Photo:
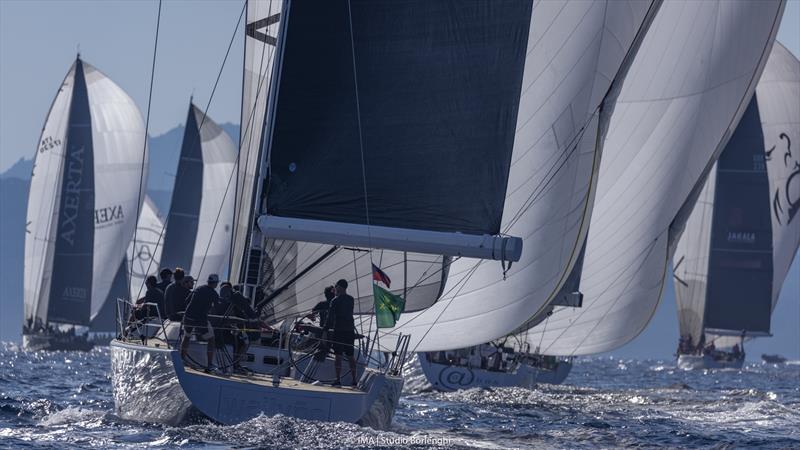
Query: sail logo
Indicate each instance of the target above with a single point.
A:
(108, 216)
(77, 293)
(453, 377)
(253, 28)
(786, 200)
(742, 237)
(72, 195)
(49, 143)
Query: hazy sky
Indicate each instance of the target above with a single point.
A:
(39, 40)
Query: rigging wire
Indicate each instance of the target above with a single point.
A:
(199, 128)
(139, 198)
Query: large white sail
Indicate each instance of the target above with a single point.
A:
(575, 50)
(144, 255)
(261, 32)
(198, 230)
(690, 83)
(43, 202)
(778, 95)
(118, 137)
(83, 199)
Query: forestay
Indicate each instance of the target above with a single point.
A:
(689, 85)
(575, 51)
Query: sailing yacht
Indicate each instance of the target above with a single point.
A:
(742, 234)
(81, 209)
(675, 113)
(389, 154)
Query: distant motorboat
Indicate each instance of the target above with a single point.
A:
(773, 359)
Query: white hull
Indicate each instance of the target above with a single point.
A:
(153, 385)
(448, 378)
(696, 362)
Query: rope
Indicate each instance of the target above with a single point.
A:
(200, 127)
(144, 144)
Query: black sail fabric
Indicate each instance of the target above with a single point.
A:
(184, 210)
(739, 291)
(437, 84)
(71, 288)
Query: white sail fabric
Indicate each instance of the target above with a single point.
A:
(118, 138)
(145, 253)
(690, 83)
(778, 95)
(691, 262)
(43, 202)
(261, 32)
(212, 244)
(575, 50)
(416, 277)
(117, 142)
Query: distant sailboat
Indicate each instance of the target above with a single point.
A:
(742, 235)
(81, 207)
(198, 227)
(676, 112)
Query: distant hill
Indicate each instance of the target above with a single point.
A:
(14, 184)
(21, 170)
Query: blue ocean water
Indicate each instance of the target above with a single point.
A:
(57, 400)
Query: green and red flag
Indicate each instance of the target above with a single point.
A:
(388, 306)
(379, 275)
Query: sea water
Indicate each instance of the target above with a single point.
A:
(64, 399)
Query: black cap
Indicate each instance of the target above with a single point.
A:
(342, 283)
(165, 270)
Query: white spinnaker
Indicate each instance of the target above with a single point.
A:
(259, 54)
(145, 253)
(212, 244)
(575, 50)
(691, 262)
(690, 83)
(118, 140)
(43, 201)
(778, 96)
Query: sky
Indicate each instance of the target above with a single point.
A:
(39, 41)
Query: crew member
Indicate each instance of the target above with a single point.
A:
(340, 324)
(195, 319)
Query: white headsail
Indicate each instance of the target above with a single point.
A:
(575, 52)
(690, 83)
(83, 198)
(742, 235)
(261, 33)
(145, 254)
(198, 227)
